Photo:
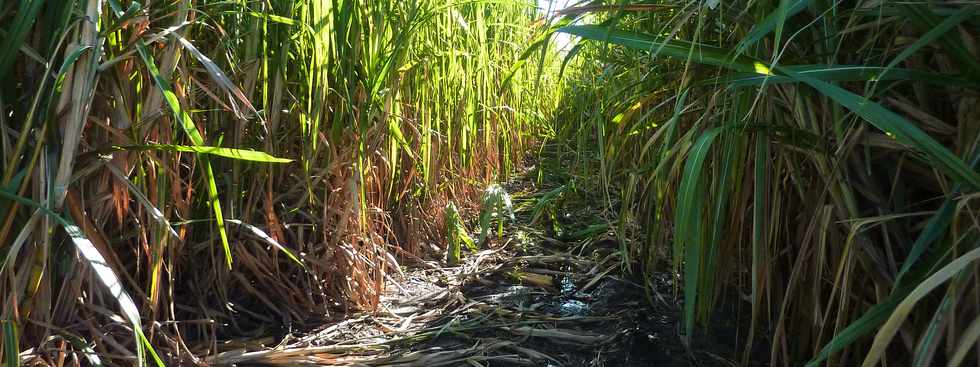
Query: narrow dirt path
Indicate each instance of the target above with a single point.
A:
(528, 300)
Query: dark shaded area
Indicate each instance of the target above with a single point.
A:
(634, 332)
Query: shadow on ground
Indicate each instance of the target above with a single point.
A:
(538, 295)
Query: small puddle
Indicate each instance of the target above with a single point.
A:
(573, 307)
(569, 306)
(567, 285)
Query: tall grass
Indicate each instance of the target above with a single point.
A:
(210, 170)
(813, 161)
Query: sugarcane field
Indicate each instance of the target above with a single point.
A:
(490, 183)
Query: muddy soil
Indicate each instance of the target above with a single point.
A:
(566, 295)
(549, 304)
